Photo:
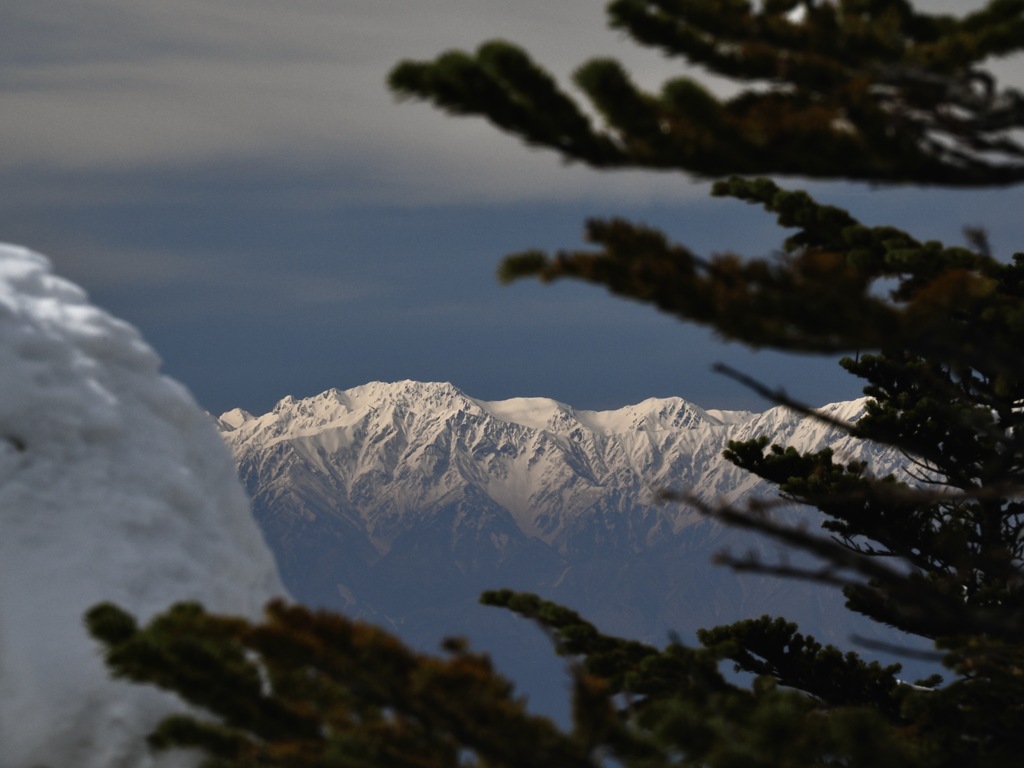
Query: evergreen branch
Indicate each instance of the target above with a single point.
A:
(858, 93)
(911, 601)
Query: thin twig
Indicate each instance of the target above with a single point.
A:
(779, 397)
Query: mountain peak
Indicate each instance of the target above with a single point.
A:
(541, 413)
(435, 393)
(233, 419)
(336, 408)
(652, 414)
(442, 399)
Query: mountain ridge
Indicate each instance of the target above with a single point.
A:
(401, 502)
(404, 438)
(518, 410)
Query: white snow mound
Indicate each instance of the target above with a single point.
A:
(114, 485)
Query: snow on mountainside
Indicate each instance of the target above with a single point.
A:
(402, 502)
(382, 452)
(113, 487)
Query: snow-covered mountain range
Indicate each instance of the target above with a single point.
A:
(382, 458)
(401, 502)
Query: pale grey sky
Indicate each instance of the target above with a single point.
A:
(126, 85)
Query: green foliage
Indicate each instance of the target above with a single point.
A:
(855, 89)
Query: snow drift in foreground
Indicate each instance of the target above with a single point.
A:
(113, 486)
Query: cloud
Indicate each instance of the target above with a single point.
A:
(118, 86)
(126, 87)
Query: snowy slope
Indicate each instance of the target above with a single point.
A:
(113, 486)
(401, 502)
(382, 453)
